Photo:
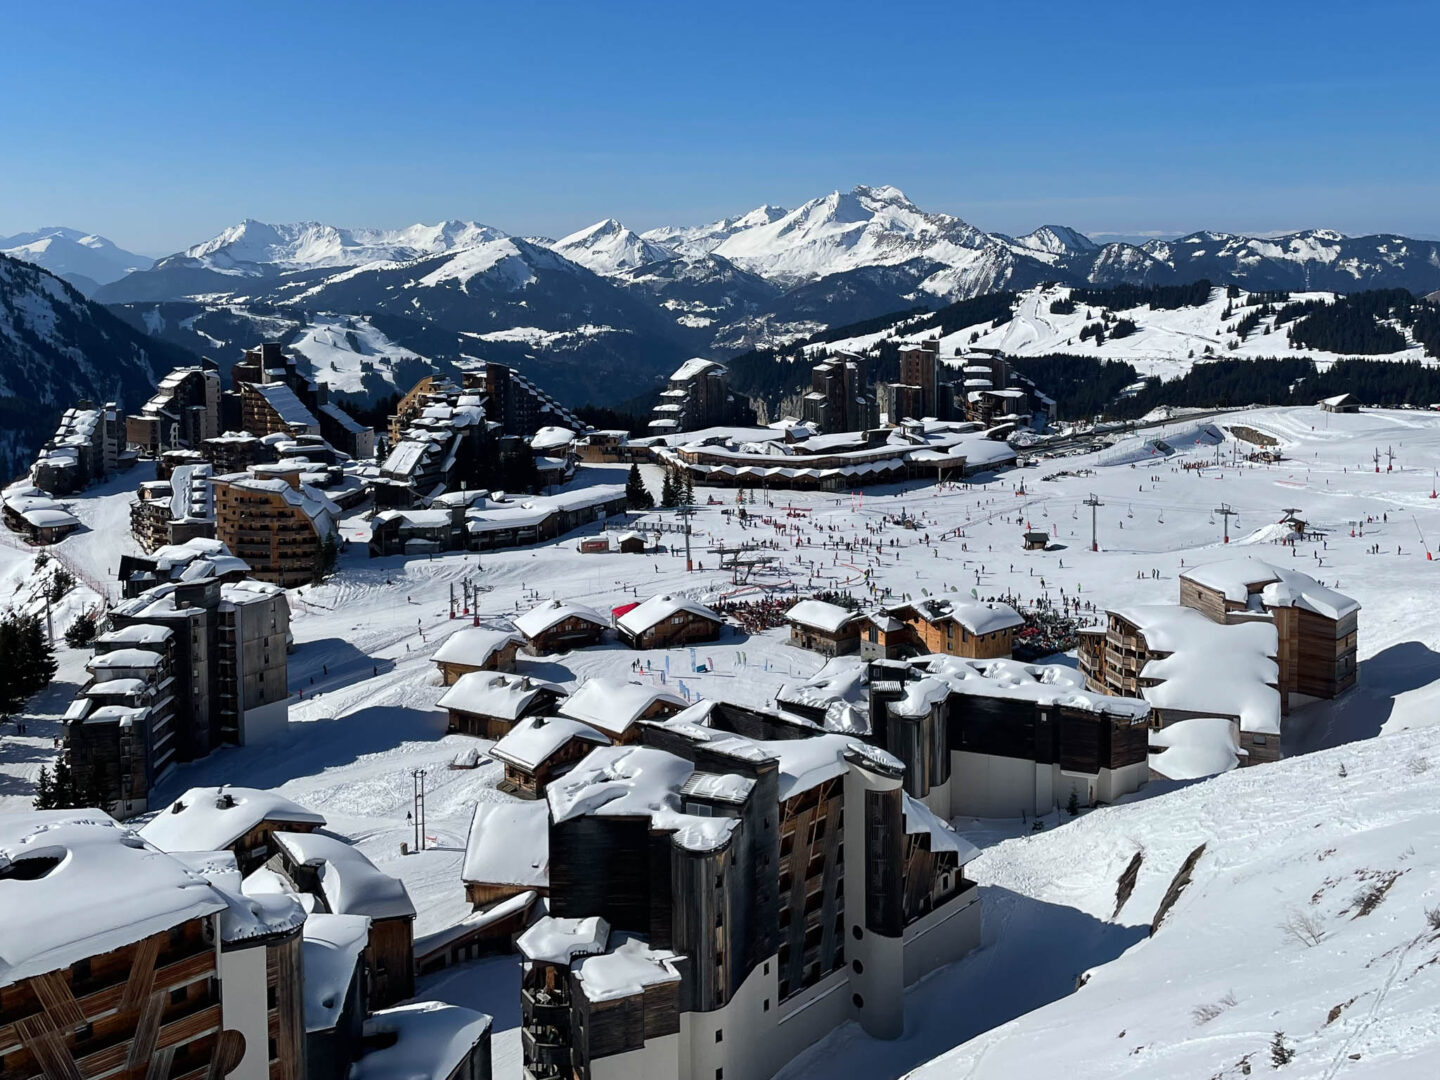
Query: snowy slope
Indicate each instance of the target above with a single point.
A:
(703, 239)
(251, 245)
(1343, 847)
(608, 247)
(83, 259)
(1166, 343)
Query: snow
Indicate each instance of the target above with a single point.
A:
(543, 616)
(430, 1041)
(211, 818)
(493, 693)
(626, 969)
(1282, 588)
(531, 742)
(551, 438)
(919, 818)
(310, 244)
(287, 406)
(344, 349)
(696, 365)
(1195, 748)
(246, 916)
(657, 609)
(974, 616)
(554, 940)
(608, 247)
(351, 883)
(106, 889)
(472, 646)
(636, 781)
(612, 706)
(509, 844)
(331, 949)
(818, 615)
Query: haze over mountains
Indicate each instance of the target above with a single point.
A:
(604, 312)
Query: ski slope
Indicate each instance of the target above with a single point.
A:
(364, 718)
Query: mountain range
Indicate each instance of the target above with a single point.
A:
(83, 259)
(605, 311)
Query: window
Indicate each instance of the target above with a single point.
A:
(719, 1074)
(177, 996)
(857, 1000)
(719, 1035)
(767, 1005)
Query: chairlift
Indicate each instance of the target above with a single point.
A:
(1129, 511)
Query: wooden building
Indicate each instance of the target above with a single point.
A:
(425, 1040)
(475, 649)
(342, 881)
(277, 525)
(540, 748)
(240, 820)
(667, 622)
(824, 628)
(507, 853)
(968, 628)
(884, 637)
(120, 957)
(557, 627)
(336, 993)
(487, 704)
(1035, 540)
(616, 708)
(1340, 403)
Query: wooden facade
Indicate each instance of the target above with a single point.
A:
(811, 887)
(529, 782)
(572, 632)
(677, 630)
(485, 726)
(502, 659)
(949, 635)
(825, 642)
(151, 1010)
(275, 537)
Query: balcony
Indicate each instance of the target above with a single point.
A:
(542, 1047)
(554, 1012)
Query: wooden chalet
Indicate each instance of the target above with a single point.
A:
(540, 748)
(884, 637)
(1340, 403)
(487, 704)
(969, 628)
(1034, 540)
(616, 708)
(557, 627)
(342, 881)
(475, 649)
(667, 622)
(240, 820)
(827, 629)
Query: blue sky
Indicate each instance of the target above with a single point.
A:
(159, 124)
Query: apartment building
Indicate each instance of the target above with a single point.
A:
(840, 397)
(698, 396)
(183, 412)
(174, 511)
(121, 957)
(88, 445)
(718, 902)
(278, 525)
(1276, 633)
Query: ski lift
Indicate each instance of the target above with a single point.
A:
(1162, 517)
(1212, 519)
(1129, 511)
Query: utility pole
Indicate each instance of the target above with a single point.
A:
(1094, 505)
(417, 777)
(1225, 512)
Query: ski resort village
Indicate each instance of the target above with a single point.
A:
(898, 733)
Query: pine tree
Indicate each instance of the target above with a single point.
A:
(38, 657)
(1280, 1054)
(1073, 806)
(637, 495)
(44, 790)
(668, 495)
(81, 632)
(689, 489)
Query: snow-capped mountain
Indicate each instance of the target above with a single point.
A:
(703, 239)
(251, 246)
(607, 247)
(84, 259)
(1056, 240)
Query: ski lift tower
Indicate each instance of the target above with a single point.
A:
(1224, 511)
(1094, 505)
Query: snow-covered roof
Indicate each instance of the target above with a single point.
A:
(124, 659)
(1044, 684)
(840, 689)
(211, 818)
(695, 366)
(551, 438)
(976, 616)
(246, 916)
(76, 883)
(919, 818)
(533, 740)
(472, 646)
(1195, 748)
(613, 706)
(1199, 649)
(509, 844)
(287, 405)
(626, 969)
(494, 693)
(657, 609)
(137, 634)
(818, 615)
(1279, 587)
(552, 612)
(331, 948)
(350, 882)
(560, 941)
(636, 781)
(424, 1040)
